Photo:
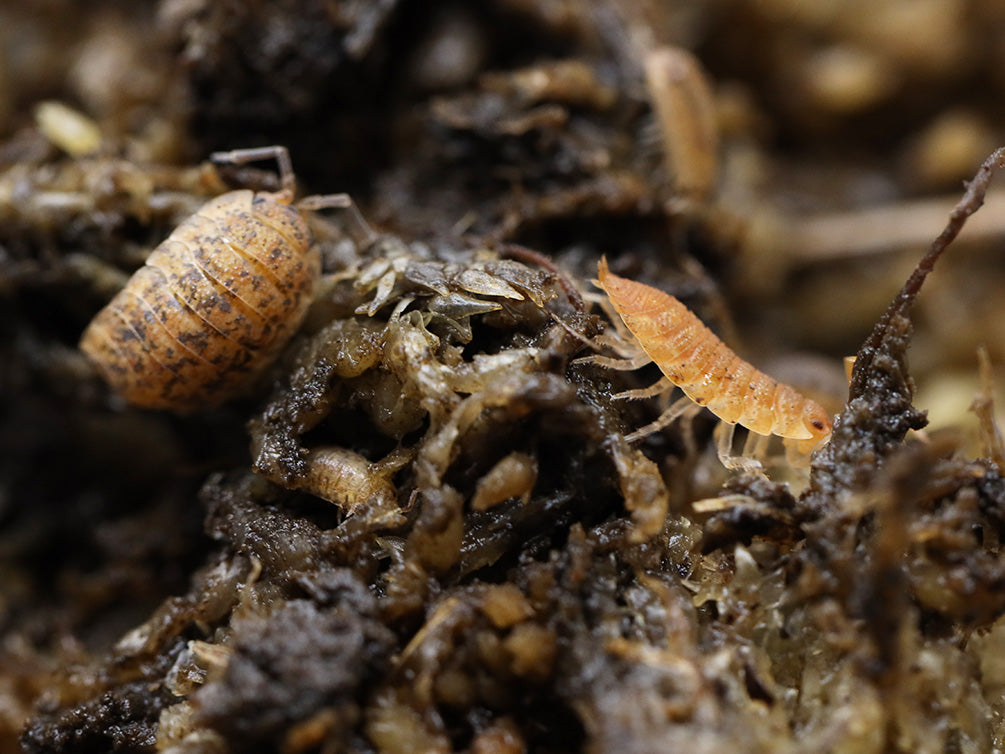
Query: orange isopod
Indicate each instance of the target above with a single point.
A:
(710, 374)
(216, 300)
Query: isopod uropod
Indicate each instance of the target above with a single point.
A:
(710, 374)
(216, 300)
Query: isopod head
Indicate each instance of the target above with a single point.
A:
(817, 424)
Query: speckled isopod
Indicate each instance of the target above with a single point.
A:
(216, 300)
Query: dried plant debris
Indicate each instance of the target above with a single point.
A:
(459, 361)
(879, 411)
(422, 528)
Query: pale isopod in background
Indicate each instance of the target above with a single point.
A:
(710, 374)
(216, 300)
(684, 104)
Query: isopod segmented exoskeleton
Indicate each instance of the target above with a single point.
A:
(216, 300)
(710, 373)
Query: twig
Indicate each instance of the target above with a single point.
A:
(972, 200)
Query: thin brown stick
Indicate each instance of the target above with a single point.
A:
(972, 200)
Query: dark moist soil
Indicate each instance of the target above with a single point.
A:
(420, 529)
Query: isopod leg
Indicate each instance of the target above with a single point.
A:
(724, 447)
(616, 342)
(239, 156)
(611, 362)
(756, 446)
(661, 385)
(796, 457)
(612, 314)
(676, 409)
(359, 228)
(627, 351)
